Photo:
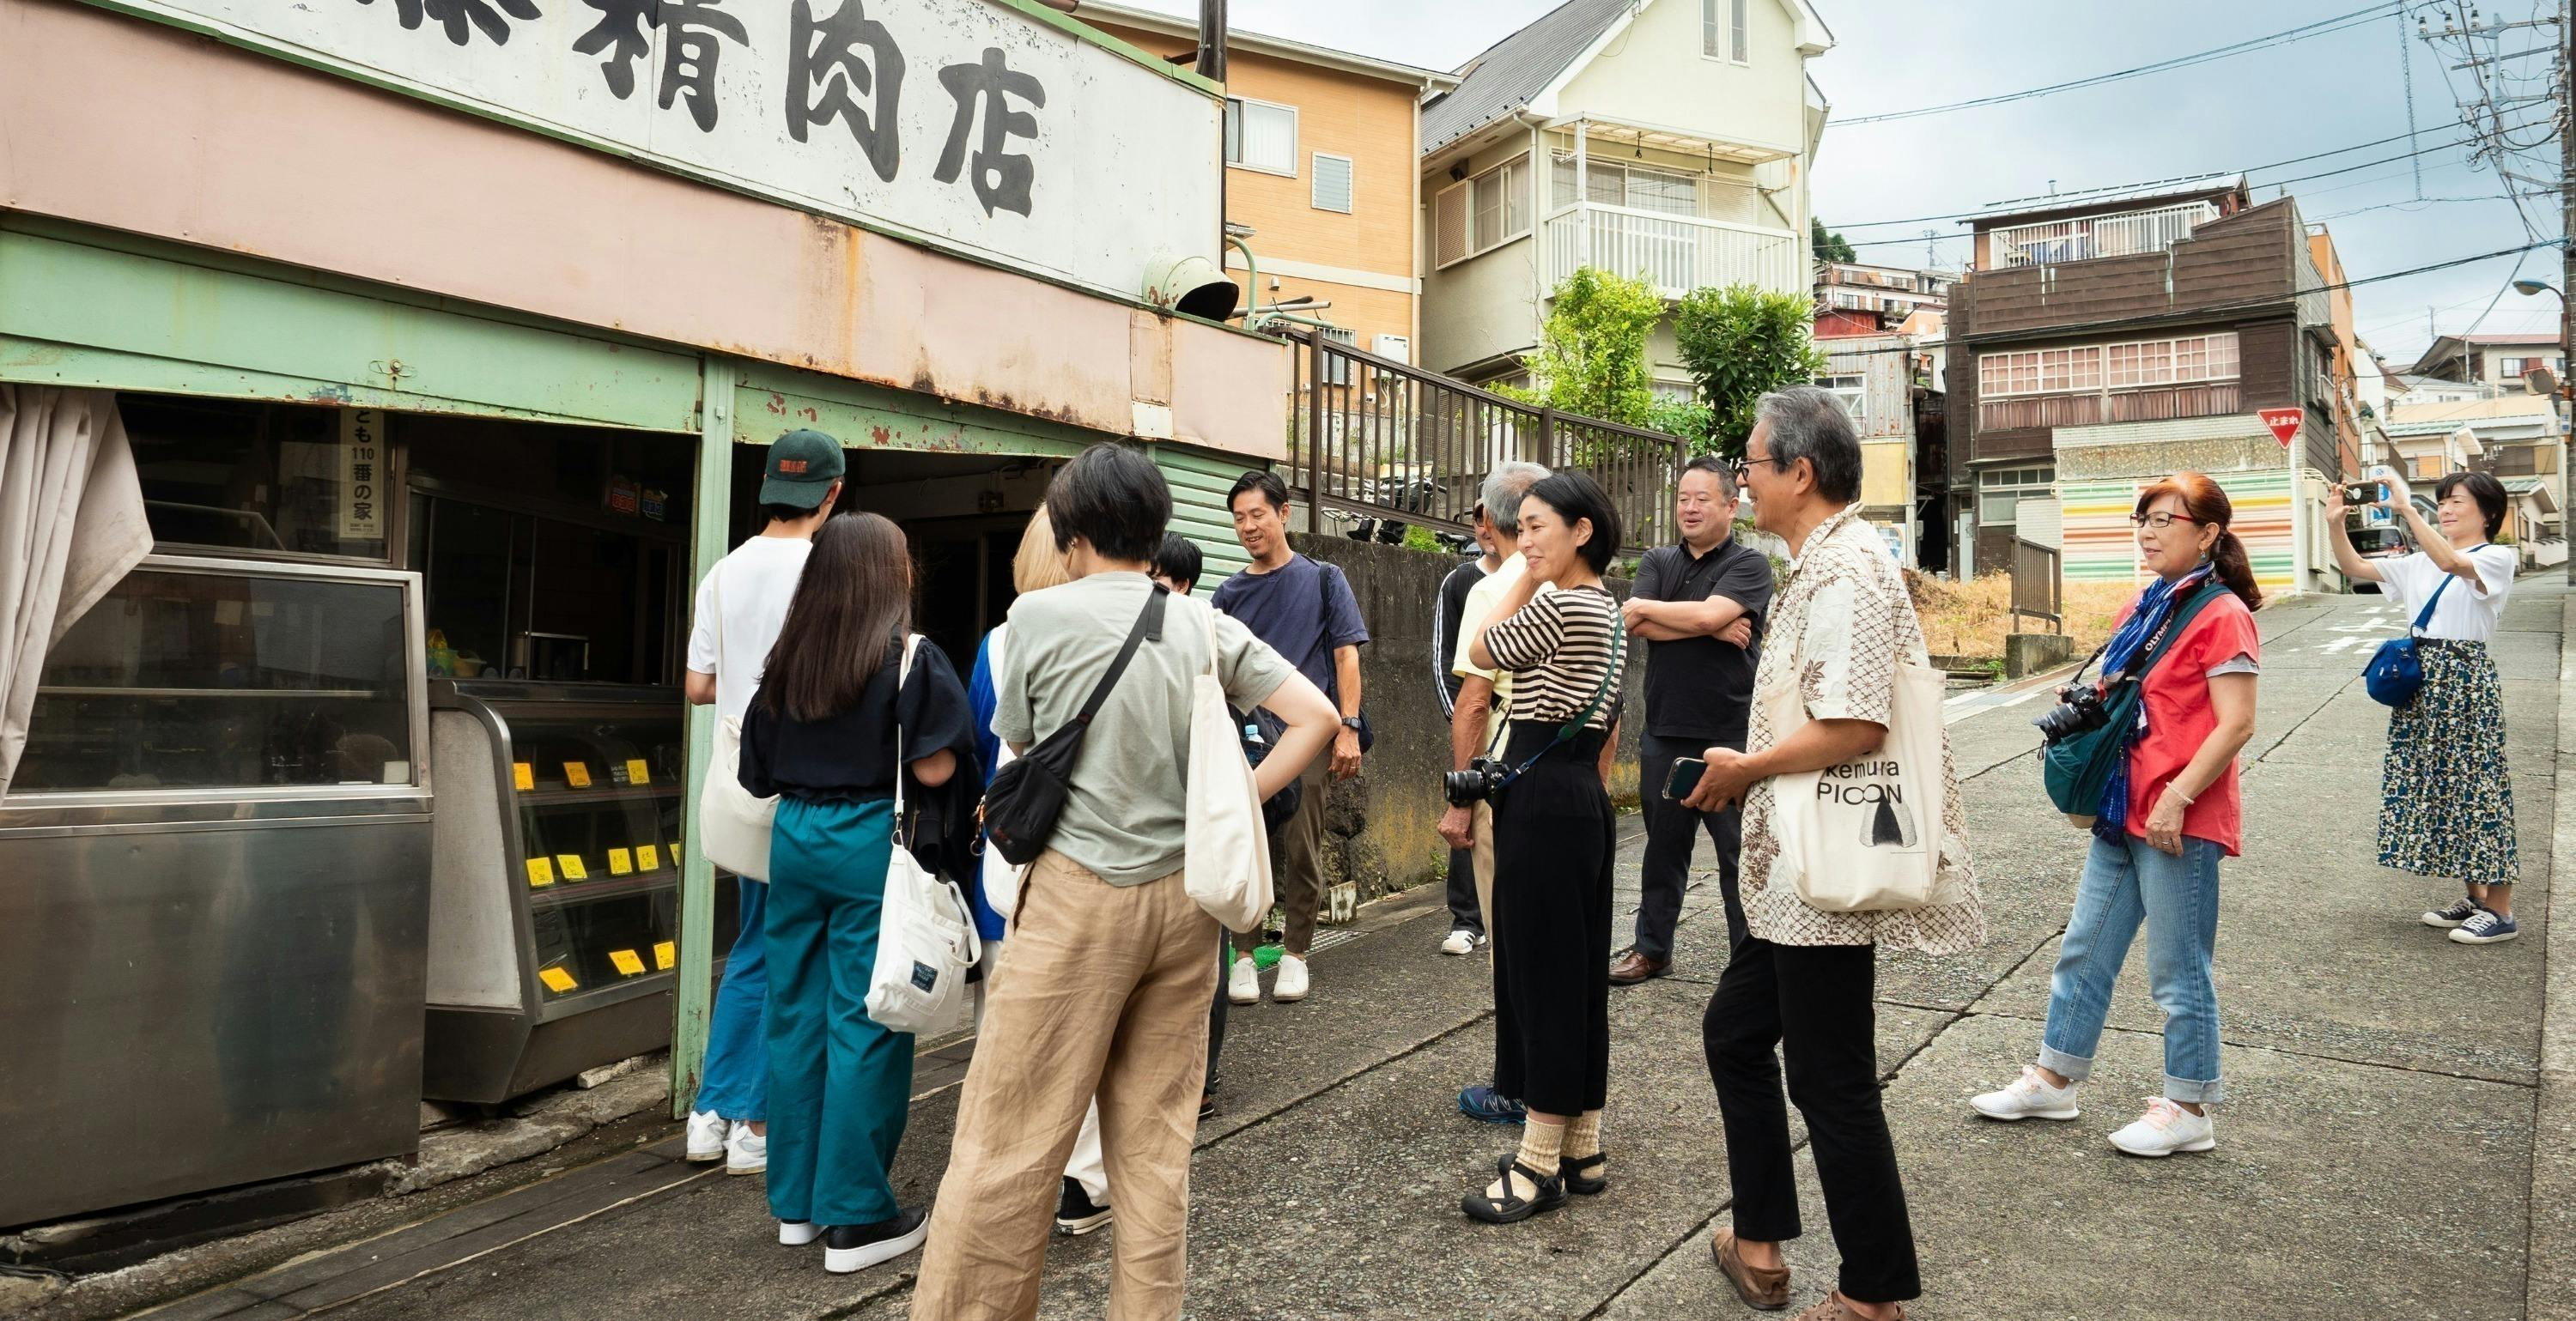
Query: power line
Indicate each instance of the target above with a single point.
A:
(2321, 27)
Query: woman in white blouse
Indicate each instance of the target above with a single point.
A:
(2446, 806)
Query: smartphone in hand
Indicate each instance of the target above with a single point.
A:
(1685, 777)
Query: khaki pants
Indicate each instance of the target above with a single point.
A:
(1300, 872)
(1106, 990)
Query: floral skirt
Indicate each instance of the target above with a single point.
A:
(2446, 805)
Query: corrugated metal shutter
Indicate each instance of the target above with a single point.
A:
(1332, 183)
(1198, 479)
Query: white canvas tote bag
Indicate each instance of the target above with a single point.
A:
(925, 933)
(733, 826)
(1226, 858)
(1867, 835)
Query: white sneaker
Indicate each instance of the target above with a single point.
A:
(2029, 1098)
(746, 1152)
(2165, 1129)
(1291, 985)
(1461, 941)
(798, 1233)
(1244, 987)
(706, 1136)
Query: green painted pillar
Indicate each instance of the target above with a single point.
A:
(709, 513)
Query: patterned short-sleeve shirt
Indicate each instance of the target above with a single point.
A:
(1837, 631)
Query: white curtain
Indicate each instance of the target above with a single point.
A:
(71, 525)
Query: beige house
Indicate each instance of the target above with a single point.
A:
(1669, 139)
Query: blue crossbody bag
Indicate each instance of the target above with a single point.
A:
(2395, 670)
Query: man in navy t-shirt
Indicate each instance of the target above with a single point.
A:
(1306, 612)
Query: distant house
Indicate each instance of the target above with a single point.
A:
(1892, 384)
(1854, 298)
(2103, 343)
(2495, 358)
(1668, 139)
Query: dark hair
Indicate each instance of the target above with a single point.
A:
(1112, 497)
(1808, 422)
(2208, 506)
(1272, 489)
(784, 513)
(2486, 490)
(1178, 560)
(1715, 467)
(852, 603)
(1575, 497)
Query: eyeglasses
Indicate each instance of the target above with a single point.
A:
(1745, 464)
(2160, 519)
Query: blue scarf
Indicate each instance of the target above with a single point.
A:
(2155, 606)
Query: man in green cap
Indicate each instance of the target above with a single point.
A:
(740, 606)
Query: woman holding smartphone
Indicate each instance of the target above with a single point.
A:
(1553, 846)
(2446, 804)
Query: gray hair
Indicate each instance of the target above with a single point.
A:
(1504, 487)
(1808, 422)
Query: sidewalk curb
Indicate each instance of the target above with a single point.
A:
(2551, 1265)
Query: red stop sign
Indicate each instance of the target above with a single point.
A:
(2284, 423)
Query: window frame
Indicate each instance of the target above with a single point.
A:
(1350, 183)
(1464, 196)
(1233, 137)
(2018, 483)
(1740, 20)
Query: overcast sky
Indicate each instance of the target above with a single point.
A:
(2317, 95)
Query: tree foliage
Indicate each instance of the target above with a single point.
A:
(1740, 343)
(1591, 356)
(1829, 246)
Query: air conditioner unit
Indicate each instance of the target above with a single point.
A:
(1397, 347)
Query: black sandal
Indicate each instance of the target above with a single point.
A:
(1513, 1207)
(1574, 1171)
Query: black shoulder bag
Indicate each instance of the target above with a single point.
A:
(1026, 797)
(1324, 574)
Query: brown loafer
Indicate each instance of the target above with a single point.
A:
(1634, 967)
(1763, 1290)
(1832, 1309)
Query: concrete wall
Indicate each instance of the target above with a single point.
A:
(1381, 833)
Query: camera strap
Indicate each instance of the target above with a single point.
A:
(1565, 733)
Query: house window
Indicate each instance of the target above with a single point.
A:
(1850, 389)
(1337, 368)
(1723, 34)
(1332, 183)
(1261, 136)
(1484, 212)
(2040, 371)
(1742, 33)
(2000, 493)
(1610, 183)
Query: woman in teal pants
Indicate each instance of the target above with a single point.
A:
(821, 736)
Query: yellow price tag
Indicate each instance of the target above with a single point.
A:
(577, 774)
(556, 980)
(620, 862)
(523, 776)
(570, 865)
(627, 962)
(541, 872)
(647, 858)
(637, 772)
(665, 954)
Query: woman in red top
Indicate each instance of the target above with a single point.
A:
(2163, 828)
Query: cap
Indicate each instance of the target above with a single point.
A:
(802, 466)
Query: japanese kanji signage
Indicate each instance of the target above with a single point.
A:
(362, 493)
(962, 122)
(2284, 423)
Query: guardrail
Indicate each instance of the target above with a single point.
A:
(1378, 438)
(2038, 589)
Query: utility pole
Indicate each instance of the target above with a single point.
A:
(2567, 284)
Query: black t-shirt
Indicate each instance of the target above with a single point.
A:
(850, 757)
(1444, 629)
(1700, 687)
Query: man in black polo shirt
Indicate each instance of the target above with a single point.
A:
(1698, 606)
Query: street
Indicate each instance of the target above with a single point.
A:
(2377, 1156)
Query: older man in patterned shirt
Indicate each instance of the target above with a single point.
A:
(1804, 979)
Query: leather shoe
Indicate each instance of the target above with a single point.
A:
(1765, 1290)
(1634, 967)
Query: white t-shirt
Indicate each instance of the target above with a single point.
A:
(759, 580)
(2463, 614)
(1481, 600)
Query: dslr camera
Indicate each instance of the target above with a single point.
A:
(1481, 782)
(2079, 708)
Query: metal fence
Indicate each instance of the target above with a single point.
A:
(1373, 437)
(2038, 588)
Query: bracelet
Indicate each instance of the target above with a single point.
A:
(2176, 790)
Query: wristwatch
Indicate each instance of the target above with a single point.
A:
(1351, 723)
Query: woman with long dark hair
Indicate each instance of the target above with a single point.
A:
(821, 735)
(2446, 803)
(2164, 824)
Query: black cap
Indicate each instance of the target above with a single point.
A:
(802, 467)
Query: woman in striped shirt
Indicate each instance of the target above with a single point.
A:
(1553, 847)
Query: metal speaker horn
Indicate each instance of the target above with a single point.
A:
(1190, 285)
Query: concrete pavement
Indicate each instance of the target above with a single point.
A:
(2400, 1139)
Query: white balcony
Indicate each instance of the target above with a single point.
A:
(2099, 236)
(1674, 253)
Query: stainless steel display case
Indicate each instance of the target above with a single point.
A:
(214, 887)
(554, 905)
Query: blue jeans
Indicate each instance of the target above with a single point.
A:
(2177, 898)
(735, 1082)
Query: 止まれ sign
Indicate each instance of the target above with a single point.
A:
(966, 124)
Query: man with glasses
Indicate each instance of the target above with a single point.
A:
(1698, 607)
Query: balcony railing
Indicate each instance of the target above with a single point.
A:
(2152, 404)
(1675, 254)
(2099, 236)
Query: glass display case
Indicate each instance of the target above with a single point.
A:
(554, 913)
